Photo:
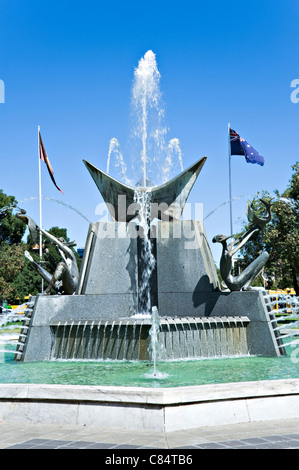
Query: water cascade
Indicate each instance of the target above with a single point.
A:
(164, 338)
(146, 256)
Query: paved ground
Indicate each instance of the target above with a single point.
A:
(280, 434)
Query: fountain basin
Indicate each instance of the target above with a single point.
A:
(140, 408)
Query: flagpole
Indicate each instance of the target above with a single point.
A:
(230, 180)
(40, 204)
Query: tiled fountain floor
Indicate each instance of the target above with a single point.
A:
(280, 434)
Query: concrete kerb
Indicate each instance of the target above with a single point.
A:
(147, 409)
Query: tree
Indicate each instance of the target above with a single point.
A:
(11, 229)
(27, 281)
(11, 249)
(285, 234)
(11, 264)
(280, 237)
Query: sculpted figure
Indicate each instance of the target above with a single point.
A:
(243, 281)
(66, 275)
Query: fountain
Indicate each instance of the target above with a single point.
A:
(148, 293)
(130, 269)
(147, 259)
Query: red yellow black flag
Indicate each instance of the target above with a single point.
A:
(44, 157)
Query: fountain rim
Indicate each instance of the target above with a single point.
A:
(150, 409)
(150, 395)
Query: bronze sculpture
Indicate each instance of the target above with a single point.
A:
(66, 274)
(243, 280)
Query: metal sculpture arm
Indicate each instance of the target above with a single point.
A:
(237, 244)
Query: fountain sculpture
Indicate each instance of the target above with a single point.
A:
(131, 268)
(147, 273)
(243, 280)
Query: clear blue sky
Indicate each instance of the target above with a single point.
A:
(68, 67)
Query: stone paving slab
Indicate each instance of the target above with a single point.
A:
(276, 434)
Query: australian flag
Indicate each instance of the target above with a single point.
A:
(239, 146)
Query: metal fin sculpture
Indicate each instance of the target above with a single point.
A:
(243, 280)
(167, 201)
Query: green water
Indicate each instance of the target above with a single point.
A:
(140, 374)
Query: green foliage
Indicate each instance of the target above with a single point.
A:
(11, 264)
(11, 228)
(27, 281)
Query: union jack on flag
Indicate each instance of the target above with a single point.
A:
(239, 146)
(233, 135)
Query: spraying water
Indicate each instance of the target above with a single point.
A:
(56, 201)
(146, 101)
(120, 165)
(113, 147)
(155, 346)
(169, 167)
(290, 202)
(226, 202)
(148, 130)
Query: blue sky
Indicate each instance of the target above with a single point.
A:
(68, 67)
